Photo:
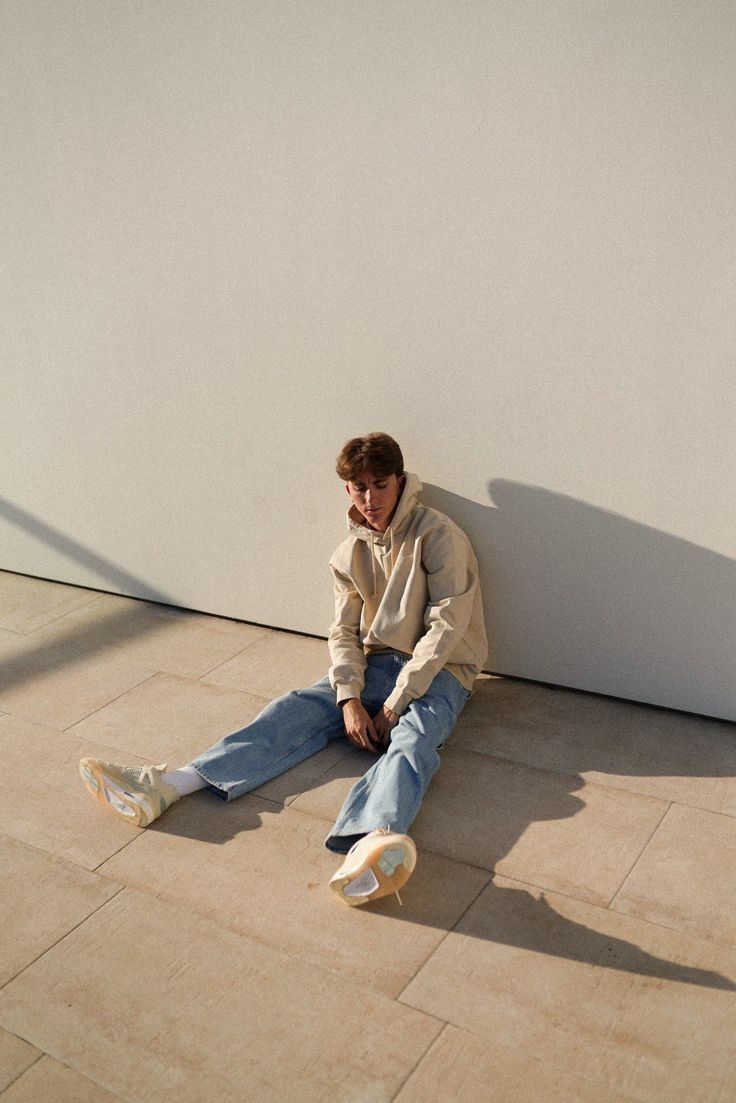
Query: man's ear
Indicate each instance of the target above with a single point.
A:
(402, 481)
(347, 488)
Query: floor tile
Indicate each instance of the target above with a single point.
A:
(643, 749)
(42, 899)
(15, 1057)
(50, 1080)
(265, 874)
(549, 829)
(55, 685)
(324, 798)
(280, 662)
(465, 1068)
(629, 1006)
(170, 719)
(42, 799)
(686, 877)
(29, 603)
(288, 786)
(164, 638)
(128, 1000)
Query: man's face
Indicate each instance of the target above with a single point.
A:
(375, 497)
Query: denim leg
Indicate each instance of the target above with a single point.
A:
(288, 731)
(390, 793)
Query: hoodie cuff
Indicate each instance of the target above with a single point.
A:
(398, 701)
(345, 692)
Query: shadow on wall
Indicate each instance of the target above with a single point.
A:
(121, 581)
(119, 627)
(582, 597)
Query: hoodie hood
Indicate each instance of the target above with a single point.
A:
(382, 601)
(407, 503)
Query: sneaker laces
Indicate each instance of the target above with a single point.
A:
(146, 773)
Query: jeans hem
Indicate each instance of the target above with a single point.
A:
(219, 789)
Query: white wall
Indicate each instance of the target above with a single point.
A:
(240, 232)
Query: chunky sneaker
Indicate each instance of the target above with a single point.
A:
(136, 793)
(377, 865)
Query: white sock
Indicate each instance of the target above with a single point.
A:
(186, 780)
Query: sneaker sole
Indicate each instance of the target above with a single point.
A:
(391, 864)
(109, 794)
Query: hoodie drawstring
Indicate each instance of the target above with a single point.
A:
(373, 564)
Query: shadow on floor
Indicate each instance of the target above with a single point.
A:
(501, 914)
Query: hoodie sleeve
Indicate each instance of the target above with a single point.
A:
(347, 673)
(453, 582)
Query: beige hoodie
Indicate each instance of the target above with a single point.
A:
(414, 589)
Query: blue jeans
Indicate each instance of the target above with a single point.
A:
(294, 727)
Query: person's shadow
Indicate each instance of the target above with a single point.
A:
(503, 914)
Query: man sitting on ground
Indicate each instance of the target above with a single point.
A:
(406, 645)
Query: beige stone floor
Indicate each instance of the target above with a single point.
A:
(569, 935)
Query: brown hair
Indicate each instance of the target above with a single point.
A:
(378, 452)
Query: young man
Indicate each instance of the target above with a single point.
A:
(406, 645)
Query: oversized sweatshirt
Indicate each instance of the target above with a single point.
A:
(412, 589)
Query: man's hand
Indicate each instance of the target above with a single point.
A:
(384, 723)
(359, 727)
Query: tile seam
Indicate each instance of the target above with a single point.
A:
(112, 700)
(53, 856)
(435, 1041)
(59, 940)
(41, 1054)
(619, 890)
(590, 904)
(444, 938)
(699, 808)
(257, 938)
(423, 849)
(700, 936)
(229, 659)
(61, 616)
(565, 773)
(114, 854)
